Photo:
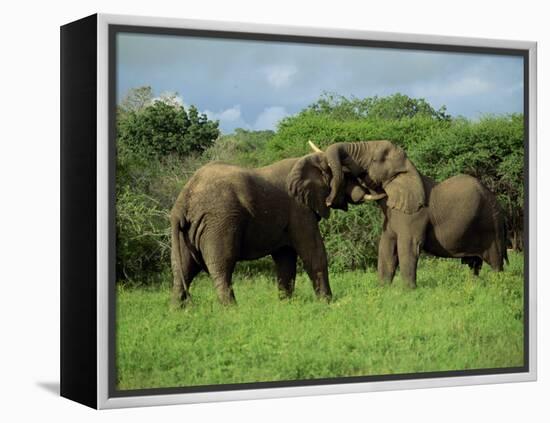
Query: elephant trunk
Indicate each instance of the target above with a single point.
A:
(340, 155)
(350, 155)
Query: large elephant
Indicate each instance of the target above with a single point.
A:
(458, 217)
(226, 214)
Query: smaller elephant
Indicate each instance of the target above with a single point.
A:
(457, 218)
(225, 214)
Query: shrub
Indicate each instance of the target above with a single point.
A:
(146, 191)
(393, 107)
(351, 238)
(142, 235)
(156, 128)
(492, 150)
(243, 148)
(154, 162)
(294, 132)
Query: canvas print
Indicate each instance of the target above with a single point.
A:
(290, 211)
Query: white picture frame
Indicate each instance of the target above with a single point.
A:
(99, 362)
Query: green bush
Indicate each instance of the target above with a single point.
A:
(162, 128)
(142, 235)
(393, 107)
(156, 127)
(146, 191)
(294, 132)
(351, 238)
(490, 149)
(242, 148)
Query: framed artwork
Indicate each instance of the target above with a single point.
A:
(254, 211)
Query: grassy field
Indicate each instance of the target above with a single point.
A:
(452, 321)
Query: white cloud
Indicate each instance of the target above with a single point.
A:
(280, 75)
(229, 118)
(231, 114)
(232, 118)
(269, 117)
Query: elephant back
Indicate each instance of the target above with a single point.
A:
(462, 201)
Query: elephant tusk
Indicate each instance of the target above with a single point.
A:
(374, 197)
(314, 147)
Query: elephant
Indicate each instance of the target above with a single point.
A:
(225, 214)
(457, 218)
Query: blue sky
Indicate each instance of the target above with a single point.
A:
(253, 84)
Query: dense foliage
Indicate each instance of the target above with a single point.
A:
(159, 144)
(490, 149)
(396, 106)
(157, 127)
(157, 152)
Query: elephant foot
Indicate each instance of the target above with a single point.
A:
(284, 295)
(385, 282)
(227, 298)
(326, 297)
(410, 284)
(178, 303)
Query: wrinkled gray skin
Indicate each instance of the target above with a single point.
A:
(458, 217)
(226, 214)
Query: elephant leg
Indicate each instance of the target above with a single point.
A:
(219, 257)
(285, 265)
(408, 251)
(387, 256)
(318, 273)
(477, 266)
(183, 276)
(317, 270)
(222, 282)
(311, 249)
(494, 258)
(473, 263)
(411, 232)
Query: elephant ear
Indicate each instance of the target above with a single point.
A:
(307, 182)
(405, 190)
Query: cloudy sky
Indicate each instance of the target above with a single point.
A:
(253, 84)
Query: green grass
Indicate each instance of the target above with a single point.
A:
(452, 321)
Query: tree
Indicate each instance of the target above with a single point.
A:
(492, 151)
(201, 132)
(399, 106)
(395, 107)
(163, 126)
(136, 99)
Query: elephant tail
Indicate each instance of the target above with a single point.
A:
(504, 242)
(180, 232)
(500, 228)
(177, 228)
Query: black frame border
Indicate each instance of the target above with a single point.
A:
(78, 211)
(114, 29)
